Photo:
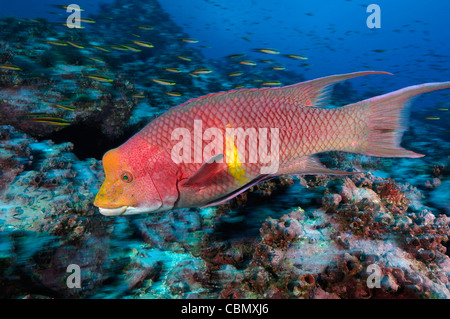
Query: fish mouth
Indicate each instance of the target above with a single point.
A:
(113, 211)
(128, 210)
(141, 210)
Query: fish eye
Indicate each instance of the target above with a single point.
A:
(127, 177)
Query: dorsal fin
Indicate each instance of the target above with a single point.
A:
(219, 94)
(315, 93)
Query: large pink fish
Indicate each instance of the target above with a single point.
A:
(180, 159)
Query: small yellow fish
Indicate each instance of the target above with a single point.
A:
(296, 57)
(235, 56)
(37, 114)
(100, 48)
(132, 48)
(268, 51)
(145, 27)
(75, 45)
(238, 87)
(235, 74)
(56, 43)
(442, 109)
(432, 118)
(87, 20)
(247, 62)
(278, 68)
(173, 93)
(96, 60)
(143, 44)
(99, 78)
(9, 67)
(266, 61)
(65, 25)
(201, 71)
(118, 48)
(163, 82)
(173, 70)
(271, 83)
(64, 107)
(138, 96)
(50, 120)
(189, 40)
(184, 58)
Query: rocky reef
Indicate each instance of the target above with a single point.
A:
(47, 217)
(380, 234)
(296, 237)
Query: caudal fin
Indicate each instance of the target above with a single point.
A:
(388, 119)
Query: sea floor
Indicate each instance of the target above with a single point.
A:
(294, 237)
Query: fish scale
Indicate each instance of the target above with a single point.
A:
(372, 127)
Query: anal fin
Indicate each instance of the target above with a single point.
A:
(239, 190)
(310, 165)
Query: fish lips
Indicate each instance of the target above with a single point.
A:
(113, 211)
(128, 210)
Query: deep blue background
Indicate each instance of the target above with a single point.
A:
(332, 33)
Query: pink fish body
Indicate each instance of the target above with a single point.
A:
(210, 149)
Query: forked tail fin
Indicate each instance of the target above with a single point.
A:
(388, 118)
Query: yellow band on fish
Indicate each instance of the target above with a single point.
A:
(233, 160)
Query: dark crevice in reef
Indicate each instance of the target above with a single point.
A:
(89, 141)
(447, 246)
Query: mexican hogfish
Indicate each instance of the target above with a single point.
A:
(152, 172)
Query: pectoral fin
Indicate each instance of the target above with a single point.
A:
(207, 172)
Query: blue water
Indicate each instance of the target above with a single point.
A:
(43, 8)
(333, 34)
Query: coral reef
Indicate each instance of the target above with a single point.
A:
(326, 252)
(56, 84)
(47, 217)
